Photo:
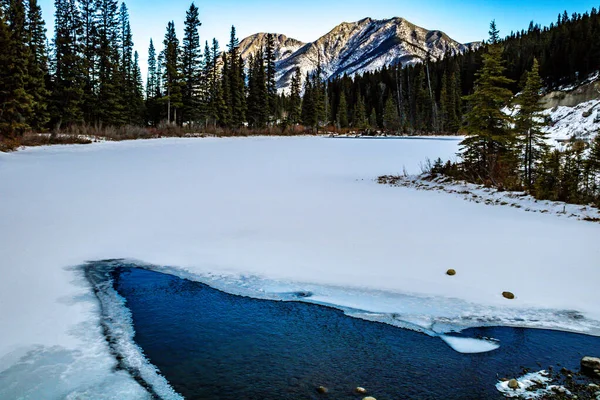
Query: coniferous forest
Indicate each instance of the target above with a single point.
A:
(86, 79)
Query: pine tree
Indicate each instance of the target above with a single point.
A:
(15, 102)
(489, 137)
(137, 101)
(37, 66)
(89, 44)
(111, 108)
(172, 77)
(68, 80)
(270, 76)
(308, 113)
(373, 119)
(235, 82)
(216, 91)
(153, 88)
(342, 112)
(359, 118)
(295, 103)
(225, 103)
(151, 81)
(391, 120)
(529, 126)
(190, 60)
(126, 42)
(318, 97)
(206, 87)
(258, 100)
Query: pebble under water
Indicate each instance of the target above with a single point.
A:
(212, 345)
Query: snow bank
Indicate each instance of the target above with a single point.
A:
(272, 216)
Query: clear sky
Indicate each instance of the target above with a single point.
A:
(307, 20)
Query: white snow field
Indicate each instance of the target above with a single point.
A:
(266, 217)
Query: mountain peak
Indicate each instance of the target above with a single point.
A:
(355, 47)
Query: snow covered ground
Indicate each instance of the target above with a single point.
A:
(266, 217)
(580, 122)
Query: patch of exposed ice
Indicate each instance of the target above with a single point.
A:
(470, 345)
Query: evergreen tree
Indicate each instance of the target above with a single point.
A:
(111, 108)
(258, 99)
(373, 119)
(489, 137)
(234, 87)
(172, 77)
(206, 87)
(151, 81)
(225, 103)
(270, 76)
(391, 120)
(318, 97)
(359, 118)
(37, 66)
(529, 126)
(308, 112)
(342, 112)
(15, 102)
(137, 101)
(153, 88)
(89, 44)
(190, 60)
(126, 42)
(295, 103)
(217, 101)
(68, 80)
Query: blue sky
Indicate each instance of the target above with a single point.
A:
(307, 20)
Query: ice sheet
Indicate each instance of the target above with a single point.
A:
(275, 215)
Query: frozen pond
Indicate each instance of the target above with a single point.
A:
(266, 217)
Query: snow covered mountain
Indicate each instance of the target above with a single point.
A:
(355, 47)
(284, 46)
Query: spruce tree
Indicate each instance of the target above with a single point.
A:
(488, 134)
(68, 81)
(258, 100)
(111, 107)
(37, 66)
(172, 77)
(225, 103)
(270, 76)
(391, 120)
(295, 103)
(190, 59)
(153, 88)
(15, 102)
(137, 107)
(529, 126)
(206, 87)
(89, 44)
(235, 82)
(308, 113)
(373, 119)
(342, 111)
(359, 117)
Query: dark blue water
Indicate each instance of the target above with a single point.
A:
(213, 345)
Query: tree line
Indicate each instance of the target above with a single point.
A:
(510, 150)
(89, 75)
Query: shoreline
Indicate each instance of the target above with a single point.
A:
(491, 196)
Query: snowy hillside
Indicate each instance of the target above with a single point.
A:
(581, 121)
(356, 47)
